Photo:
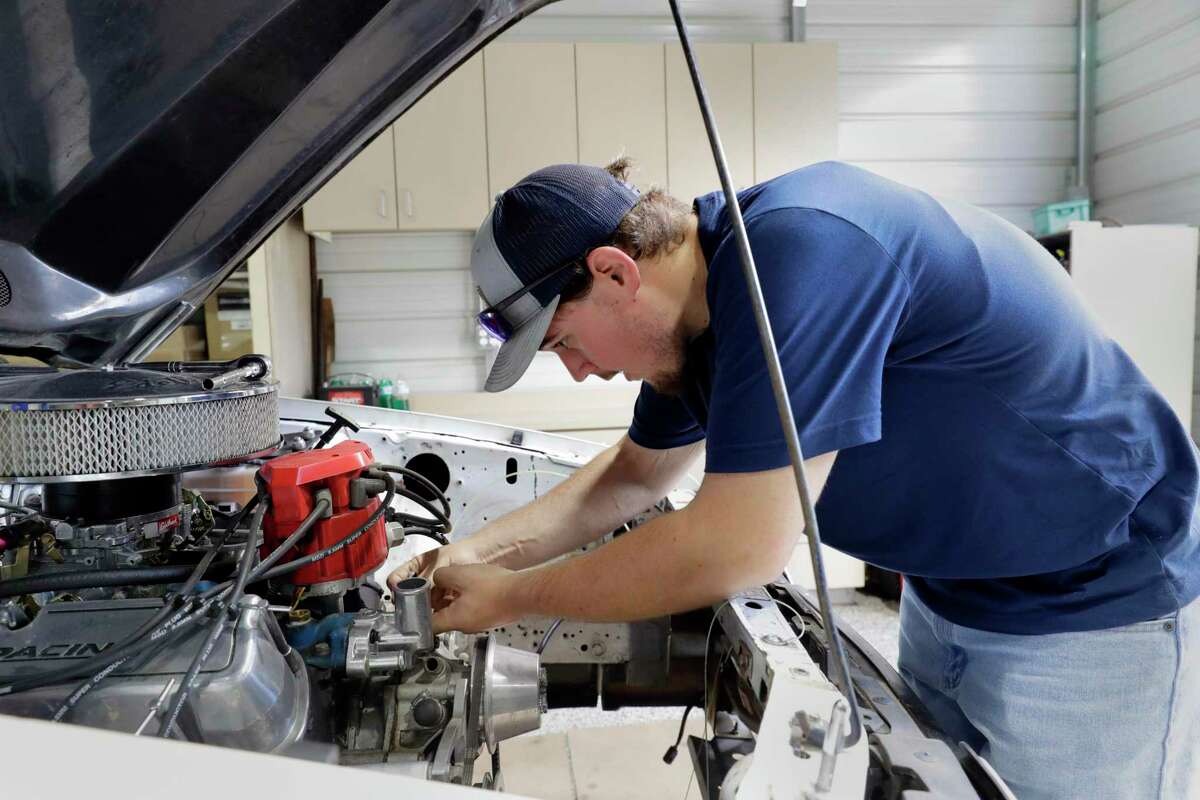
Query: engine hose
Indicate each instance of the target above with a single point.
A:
(83, 579)
(291, 541)
(421, 479)
(541, 648)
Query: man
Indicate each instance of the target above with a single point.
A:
(964, 420)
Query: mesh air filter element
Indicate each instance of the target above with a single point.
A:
(92, 423)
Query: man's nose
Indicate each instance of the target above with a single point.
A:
(576, 364)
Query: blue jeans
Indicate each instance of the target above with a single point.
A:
(1098, 715)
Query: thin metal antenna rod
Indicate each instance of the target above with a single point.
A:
(778, 386)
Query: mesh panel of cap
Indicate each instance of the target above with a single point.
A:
(557, 214)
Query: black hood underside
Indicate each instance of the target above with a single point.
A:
(146, 148)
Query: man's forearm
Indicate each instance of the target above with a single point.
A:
(669, 565)
(596, 499)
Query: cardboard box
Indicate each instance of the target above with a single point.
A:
(187, 343)
(227, 324)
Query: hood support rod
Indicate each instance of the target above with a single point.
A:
(778, 387)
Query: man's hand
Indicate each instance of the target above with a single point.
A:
(424, 565)
(476, 598)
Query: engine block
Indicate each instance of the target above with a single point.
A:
(253, 690)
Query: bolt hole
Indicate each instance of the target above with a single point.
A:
(754, 605)
(583, 648)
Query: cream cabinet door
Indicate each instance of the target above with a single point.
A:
(441, 155)
(622, 108)
(729, 81)
(795, 106)
(530, 91)
(362, 197)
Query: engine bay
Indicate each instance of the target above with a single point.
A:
(252, 616)
(185, 555)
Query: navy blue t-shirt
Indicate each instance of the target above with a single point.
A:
(995, 446)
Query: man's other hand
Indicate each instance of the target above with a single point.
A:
(424, 565)
(476, 598)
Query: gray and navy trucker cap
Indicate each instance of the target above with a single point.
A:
(548, 218)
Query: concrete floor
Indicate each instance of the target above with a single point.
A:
(592, 754)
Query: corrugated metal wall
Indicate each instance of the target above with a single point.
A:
(1148, 116)
(971, 99)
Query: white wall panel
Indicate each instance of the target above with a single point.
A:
(997, 183)
(403, 307)
(364, 296)
(956, 93)
(388, 253)
(1138, 24)
(1105, 7)
(912, 137)
(1172, 107)
(424, 375)
(881, 46)
(1175, 56)
(971, 100)
(974, 13)
(403, 337)
(1177, 203)
(1147, 166)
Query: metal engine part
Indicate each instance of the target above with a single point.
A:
(413, 693)
(122, 543)
(381, 644)
(514, 691)
(252, 693)
(91, 423)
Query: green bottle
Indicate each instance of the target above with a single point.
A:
(386, 394)
(400, 395)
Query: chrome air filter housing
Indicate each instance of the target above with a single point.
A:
(88, 424)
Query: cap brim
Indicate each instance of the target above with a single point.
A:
(517, 353)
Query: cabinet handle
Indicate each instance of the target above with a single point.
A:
(408, 205)
(383, 204)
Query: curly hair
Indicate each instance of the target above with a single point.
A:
(655, 226)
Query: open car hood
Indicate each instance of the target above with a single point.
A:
(147, 148)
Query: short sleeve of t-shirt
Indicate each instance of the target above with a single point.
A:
(836, 300)
(661, 422)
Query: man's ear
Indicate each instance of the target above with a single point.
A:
(614, 272)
